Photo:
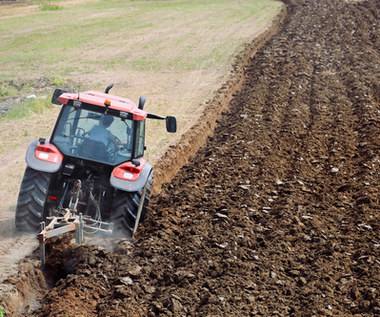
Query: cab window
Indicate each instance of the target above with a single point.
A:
(140, 138)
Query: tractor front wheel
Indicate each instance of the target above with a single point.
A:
(125, 208)
(31, 199)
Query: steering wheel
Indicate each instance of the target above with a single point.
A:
(112, 148)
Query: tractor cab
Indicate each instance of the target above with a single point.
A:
(101, 127)
(96, 136)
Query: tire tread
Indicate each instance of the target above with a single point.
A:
(31, 200)
(124, 209)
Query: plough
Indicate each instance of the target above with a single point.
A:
(69, 223)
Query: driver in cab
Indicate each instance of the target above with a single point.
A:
(100, 132)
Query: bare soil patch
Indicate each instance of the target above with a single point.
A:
(278, 213)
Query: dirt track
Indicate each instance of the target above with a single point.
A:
(278, 214)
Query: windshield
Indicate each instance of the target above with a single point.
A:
(92, 135)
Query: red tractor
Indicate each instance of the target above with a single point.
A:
(92, 163)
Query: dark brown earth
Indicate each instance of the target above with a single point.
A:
(278, 214)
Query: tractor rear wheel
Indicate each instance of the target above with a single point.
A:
(31, 199)
(125, 207)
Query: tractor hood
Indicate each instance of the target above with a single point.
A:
(105, 100)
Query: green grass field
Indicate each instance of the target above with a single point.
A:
(88, 37)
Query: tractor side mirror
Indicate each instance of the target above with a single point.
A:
(56, 94)
(171, 124)
(142, 102)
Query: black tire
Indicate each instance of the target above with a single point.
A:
(124, 209)
(31, 200)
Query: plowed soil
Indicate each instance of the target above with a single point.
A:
(278, 214)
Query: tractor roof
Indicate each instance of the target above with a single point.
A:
(99, 99)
